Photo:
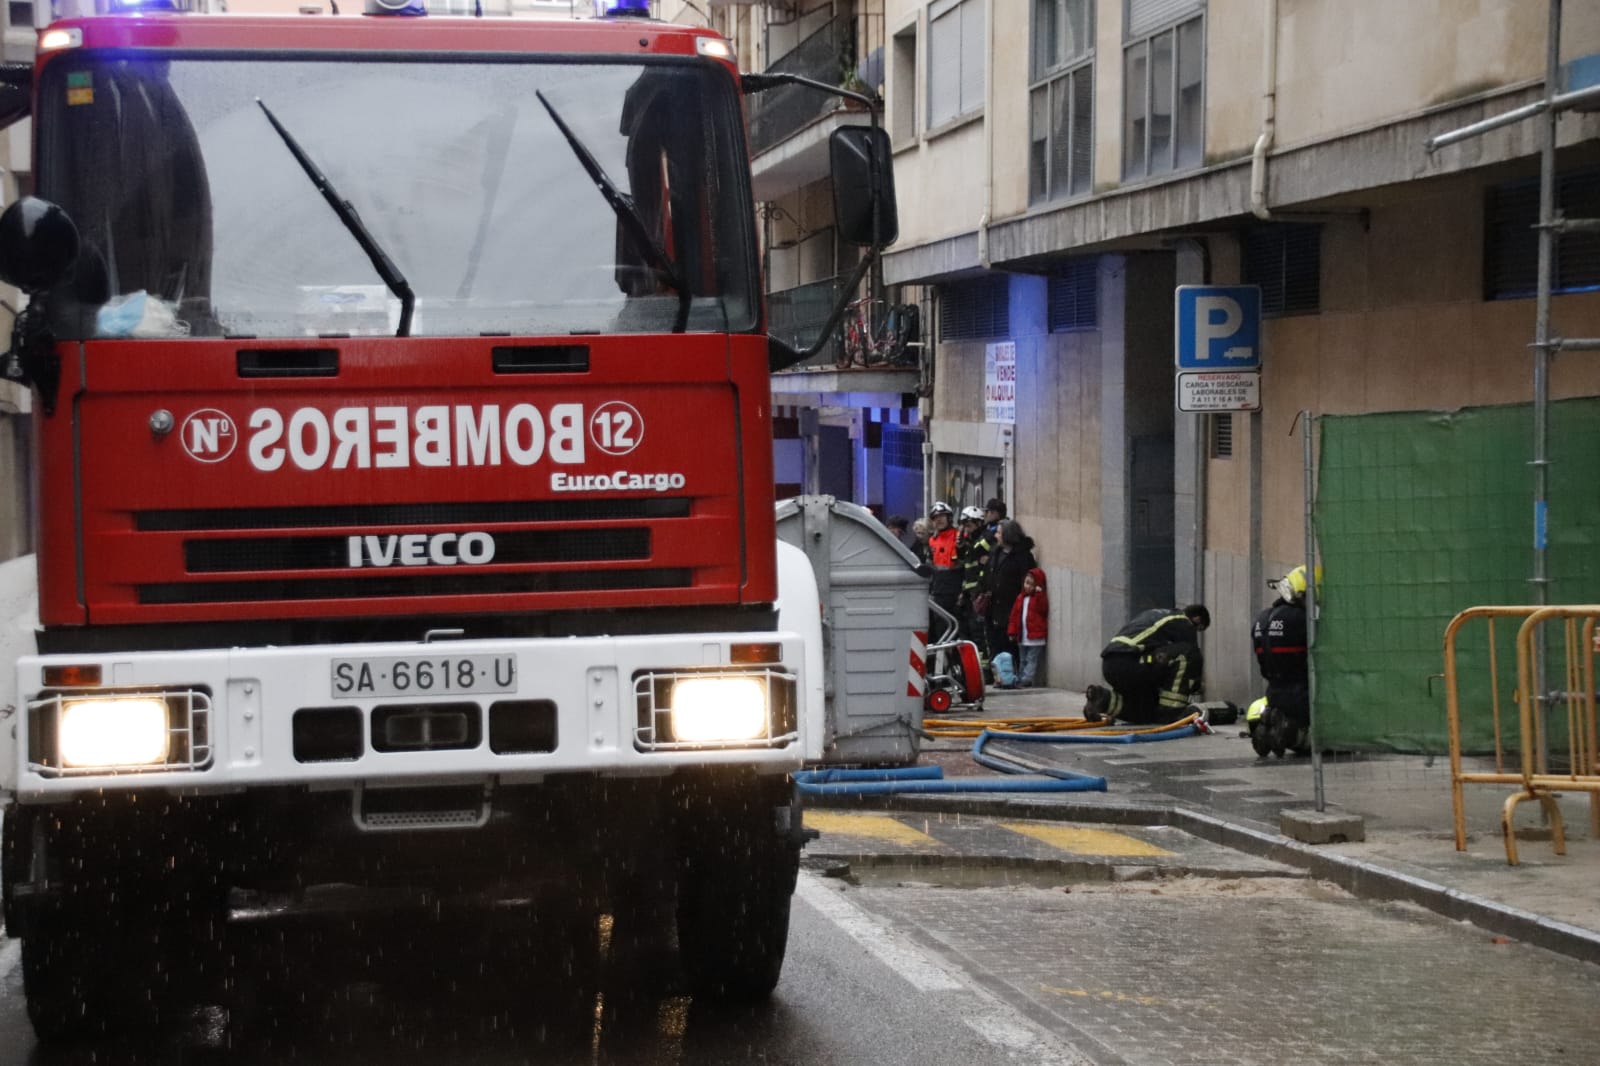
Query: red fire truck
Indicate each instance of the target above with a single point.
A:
(404, 488)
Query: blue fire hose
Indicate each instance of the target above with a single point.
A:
(931, 779)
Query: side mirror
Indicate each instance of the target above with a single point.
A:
(864, 210)
(38, 244)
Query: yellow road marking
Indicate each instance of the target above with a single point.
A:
(1120, 997)
(875, 826)
(1086, 841)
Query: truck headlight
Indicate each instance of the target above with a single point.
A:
(712, 709)
(113, 731)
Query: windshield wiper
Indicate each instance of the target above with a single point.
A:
(627, 213)
(347, 214)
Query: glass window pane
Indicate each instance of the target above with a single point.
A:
(1135, 71)
(1161, 103)
(1039, 143)
(1077, 30)
(973, 52)
(944, 69)
(1191, 113)
(1045, 37)
(903, 112)
(1082, 129)
(184, 190)
(1060, 137)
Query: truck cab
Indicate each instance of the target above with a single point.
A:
(405, 489)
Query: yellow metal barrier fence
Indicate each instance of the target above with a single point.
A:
(1583, 738)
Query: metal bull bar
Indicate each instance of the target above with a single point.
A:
(1583, 738)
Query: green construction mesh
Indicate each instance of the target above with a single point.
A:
(1420, 515)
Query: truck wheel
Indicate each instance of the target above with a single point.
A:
(118, 924)
(83, 982)
(733, 906)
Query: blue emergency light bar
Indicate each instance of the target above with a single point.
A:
(405, 8)
(622, 9)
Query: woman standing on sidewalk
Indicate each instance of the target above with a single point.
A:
(1008, 565)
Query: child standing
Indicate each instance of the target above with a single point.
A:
(1030, 621)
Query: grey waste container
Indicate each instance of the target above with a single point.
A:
(875, 611)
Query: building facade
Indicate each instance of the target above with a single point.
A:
(1063, 165)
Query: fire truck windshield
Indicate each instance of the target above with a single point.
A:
(196, 221)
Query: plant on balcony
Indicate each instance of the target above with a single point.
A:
(850, 79)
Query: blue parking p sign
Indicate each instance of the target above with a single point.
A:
(1218, 327)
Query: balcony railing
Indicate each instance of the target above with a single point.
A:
(796, 316)
(825, 56)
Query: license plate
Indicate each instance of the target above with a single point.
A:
(432, 675)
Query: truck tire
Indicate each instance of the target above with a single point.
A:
(734, 891)
(85, 980)
(111, 946)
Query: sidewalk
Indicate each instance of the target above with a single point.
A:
(1217, 788)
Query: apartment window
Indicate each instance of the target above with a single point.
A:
(1511, 241)
(1061, 102)
(902, 446)
(1074, 296)
(975, 310)
(956, 50)
(1163, 90)
(903, 100)
(1285, 260)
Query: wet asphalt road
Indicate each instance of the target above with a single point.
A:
(838, 1002)
(902, 969)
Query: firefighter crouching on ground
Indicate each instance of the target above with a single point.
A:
(1154, 668)
(944, 587)
(1279, 637)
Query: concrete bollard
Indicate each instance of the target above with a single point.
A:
(1322, 827)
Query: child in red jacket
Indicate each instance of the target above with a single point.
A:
(1030, 620)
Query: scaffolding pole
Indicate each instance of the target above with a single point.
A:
(1541, 361)
(1546, 343)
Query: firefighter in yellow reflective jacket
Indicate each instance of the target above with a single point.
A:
(1154, 668)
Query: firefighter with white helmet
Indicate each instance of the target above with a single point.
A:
(944, 587)
(976, 544)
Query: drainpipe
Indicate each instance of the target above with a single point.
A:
(988, 137)
(1269, 113)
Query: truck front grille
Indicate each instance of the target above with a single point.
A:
(333, 553)
(380, 551)
(411, 514)
(453, 584)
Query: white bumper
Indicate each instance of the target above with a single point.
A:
(254, 694)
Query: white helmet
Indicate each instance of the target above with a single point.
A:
(939, 507)
(972, 514)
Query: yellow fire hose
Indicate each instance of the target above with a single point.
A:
(958, 728)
